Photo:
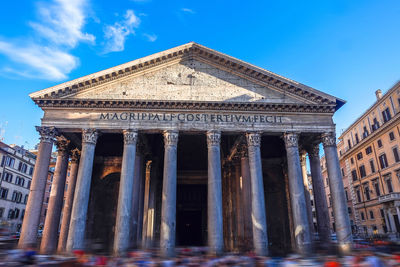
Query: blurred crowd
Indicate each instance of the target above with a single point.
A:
(196, 257)
(374, 253)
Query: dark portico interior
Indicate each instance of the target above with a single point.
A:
(191, 206)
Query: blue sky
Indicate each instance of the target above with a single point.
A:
(344, 48)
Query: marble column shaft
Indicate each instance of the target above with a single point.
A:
(30, 224)
(168, 210)
(77, 226)
(260, 235)
(62, 240)
(214, 195)
(321, 207)
(124, 208)
(342, 221)
(297, 197)
(52, 221)
(136, 199)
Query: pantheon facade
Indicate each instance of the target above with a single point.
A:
(186, 147)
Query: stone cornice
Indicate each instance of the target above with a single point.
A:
(178, 105)
(188, 51)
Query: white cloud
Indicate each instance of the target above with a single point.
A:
(62, 22)
(58, 29)
(39, 61)
(150, 37)
(188, 10)
(117, 33)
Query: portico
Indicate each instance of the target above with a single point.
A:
(182, 134)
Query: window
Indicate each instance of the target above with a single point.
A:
(349, 210)
(330, 201)
(30, 171)
(371, 214)
(10, 162)
(379, 143)
(362, 216)
(16, 213)
(391, 136)
(1, 212)
(327, 182)
(383, 161)
(368, 150)
(382, 213)
(22, 214)
(362, 171)
(3, 193)
(19, 181)
(377, 189)
(386, 115)
(375, 126)
(352, 161)
(7, 177)
(367, 193)
(347, 195)
(349, 143)
(16, 197)
(372, 165)
(342, 172)
(389, 185)
(26, 199)
(22, 167)
(357, 140)
(10, 214)
(358, 195)
(354, 175)
(396, 154)
(359, 156)
(29, 185)
(365, 133)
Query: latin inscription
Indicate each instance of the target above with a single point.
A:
(190, 117)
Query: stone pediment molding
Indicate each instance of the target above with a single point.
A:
(182, 105)
(191, 50)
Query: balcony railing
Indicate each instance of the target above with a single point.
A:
(389, 197)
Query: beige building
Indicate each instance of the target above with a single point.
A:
(369, 153)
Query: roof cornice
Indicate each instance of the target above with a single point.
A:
(181, 105)
(190, 50)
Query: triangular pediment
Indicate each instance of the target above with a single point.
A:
(189, 73)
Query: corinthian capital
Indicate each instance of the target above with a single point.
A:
(313, 152)
(62, 144)
(213, 138)
(291, 139)
(171, 138)
(253, 139)
(90, 136)
(47, 134)
(75, 154)
(329, 139)
(130, 137)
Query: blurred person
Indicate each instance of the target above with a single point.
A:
(332, 261)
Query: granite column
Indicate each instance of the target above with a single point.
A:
(214, 195)
(77, 226)
(30, 224)
(124, 209)
(52, 221)
(342, 221)
(303, 163)
(62, 240)
(297, 197)
(168, 210)
(321, 207)
(260, 235)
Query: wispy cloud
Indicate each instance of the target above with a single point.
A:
(117, 33)
(58, 29)
(150, 37)
(188, 10)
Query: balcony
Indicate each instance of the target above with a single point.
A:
(389, 197)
